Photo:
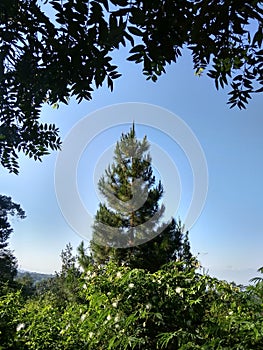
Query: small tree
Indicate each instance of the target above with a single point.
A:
(84, 259)
(64, 286)
(129, 227)
(26, 284)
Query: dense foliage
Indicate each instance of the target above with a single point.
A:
(8, 263)
(124, 308)
(48, 56)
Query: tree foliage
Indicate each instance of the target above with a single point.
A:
(258, 279)
(67, 51)
(129, 227)
(25, 283)
(172, 244)
(64, 287)
(8, 268)
(8, 208)
(8, 263)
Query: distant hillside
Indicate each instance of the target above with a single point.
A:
(37, 277)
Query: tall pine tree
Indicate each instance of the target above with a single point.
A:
(126, 226)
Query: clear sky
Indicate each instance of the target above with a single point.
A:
(229, 232)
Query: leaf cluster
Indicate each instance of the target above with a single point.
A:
(49, 58)
(8, 208)
(8, 262)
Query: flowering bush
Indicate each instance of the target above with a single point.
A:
(10, 303)
(127, 308)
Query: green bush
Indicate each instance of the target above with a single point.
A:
(124, 308)
(10, 304)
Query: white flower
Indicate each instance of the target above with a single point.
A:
(118, 275)
(131, 285)
(144, 324)
(148, 306)
(230, 313)
(115, 304)
(197, 264)
(91, 334)
(178, 290)
(83, 317)
(84, 286)
(20, 326)
(109, 317)
(88, 273)
(117, 318)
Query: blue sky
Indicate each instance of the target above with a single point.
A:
(229, 232)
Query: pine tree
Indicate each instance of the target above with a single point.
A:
(170, 245)
(126, 226)
(83, 258)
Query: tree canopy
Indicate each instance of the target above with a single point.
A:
(8, 263)
(8, 208)
(47, 59)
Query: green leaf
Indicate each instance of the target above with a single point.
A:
(137, 48)
(135, 57)
(135, 31)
